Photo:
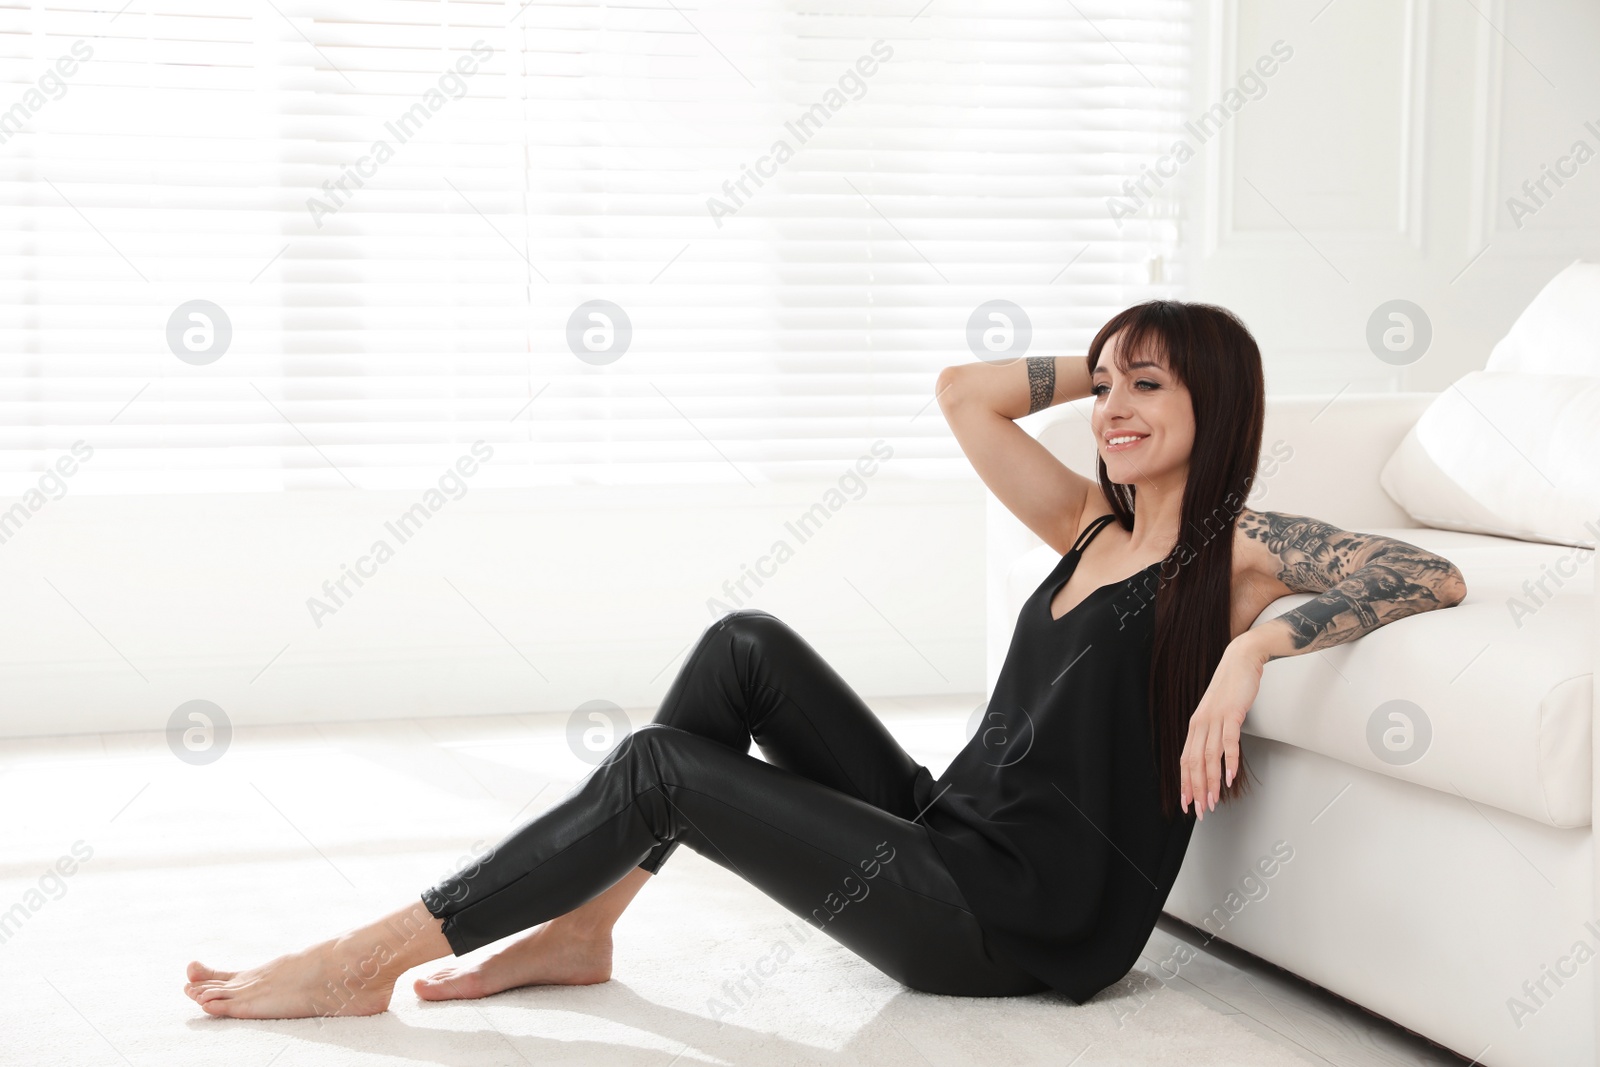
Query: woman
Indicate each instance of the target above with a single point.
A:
(1042, 857)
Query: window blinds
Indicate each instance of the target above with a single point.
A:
(302, 244)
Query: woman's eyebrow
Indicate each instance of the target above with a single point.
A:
(1131, 366)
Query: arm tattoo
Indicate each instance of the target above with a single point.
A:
(1366, 580)
(1041, 382)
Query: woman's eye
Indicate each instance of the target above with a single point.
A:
(1142, 381)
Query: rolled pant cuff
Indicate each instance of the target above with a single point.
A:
(658, 856)
(438, 906)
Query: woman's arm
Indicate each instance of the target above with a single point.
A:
(982, 401)
(1365, 581)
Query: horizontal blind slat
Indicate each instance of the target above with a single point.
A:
(385, 313)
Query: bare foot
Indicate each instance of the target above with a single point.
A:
(550, 955)
(332, 978)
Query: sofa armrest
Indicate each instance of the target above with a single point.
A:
(1320, 456)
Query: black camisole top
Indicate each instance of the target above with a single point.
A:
(1049, 819)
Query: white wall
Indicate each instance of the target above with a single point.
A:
(1377, 165)
(1373, 163)
(120, 608)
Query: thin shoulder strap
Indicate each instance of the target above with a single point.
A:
(1094, 527)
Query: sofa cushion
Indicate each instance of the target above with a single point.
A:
(1503, 681)
(1505, 453)
(1559, 331)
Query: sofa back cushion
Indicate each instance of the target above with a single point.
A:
(1505, 453)
(1514, 450)
(1559, 331)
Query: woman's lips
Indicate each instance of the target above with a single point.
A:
(1125, 445)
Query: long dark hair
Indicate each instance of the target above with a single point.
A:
(1212, 353)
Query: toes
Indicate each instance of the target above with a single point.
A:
(216, 1006)
(199, 972)
(445, 985)
(194, 989)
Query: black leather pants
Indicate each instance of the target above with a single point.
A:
(827, 827)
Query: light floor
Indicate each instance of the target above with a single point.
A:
(297, 833)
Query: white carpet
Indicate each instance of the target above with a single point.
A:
(298, 834)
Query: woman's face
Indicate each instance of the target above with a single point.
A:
(1148, 403)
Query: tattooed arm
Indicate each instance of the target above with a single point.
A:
(1366, 580)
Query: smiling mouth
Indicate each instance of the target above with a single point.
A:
(1124, 445)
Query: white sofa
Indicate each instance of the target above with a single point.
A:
(1429, 892)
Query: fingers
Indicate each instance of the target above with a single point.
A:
(1184, 792)
(1213, 762)
(1199, 767)
(1209, 763)
(1194, 775)
(1230, 745)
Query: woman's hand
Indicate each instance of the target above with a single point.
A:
(1214, 727)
